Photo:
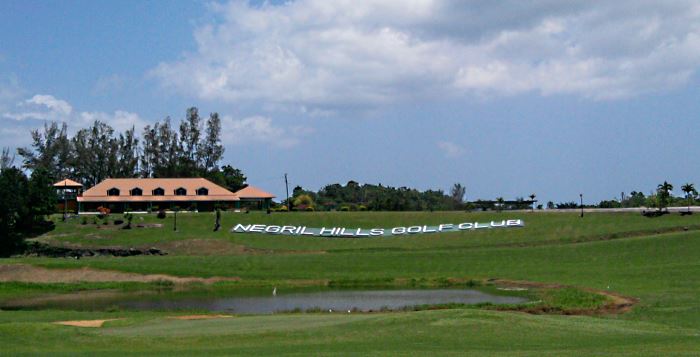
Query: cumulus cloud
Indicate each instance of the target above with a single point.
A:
(450, 149)
(32, 113)
(339, 54)
(260, 129)
(44, 107)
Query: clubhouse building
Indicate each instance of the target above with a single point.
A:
(154, 194)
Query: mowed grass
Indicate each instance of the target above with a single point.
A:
(540, 228)
(654, 260)
(456, 332)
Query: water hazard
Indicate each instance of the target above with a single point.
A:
(335, 300)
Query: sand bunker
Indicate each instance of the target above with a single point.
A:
(84, 323)
(32, 274)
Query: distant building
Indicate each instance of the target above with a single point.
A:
(153, 194)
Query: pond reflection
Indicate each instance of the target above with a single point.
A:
(335, 300)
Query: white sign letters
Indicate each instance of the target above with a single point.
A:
(341, 232)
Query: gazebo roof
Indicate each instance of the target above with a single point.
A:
(68, 183)
(251, 192)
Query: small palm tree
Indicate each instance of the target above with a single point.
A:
(532, 198)
(690, 192)
(663, 192)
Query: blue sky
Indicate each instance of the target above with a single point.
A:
(508, 98)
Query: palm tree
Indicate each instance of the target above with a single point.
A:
(690, 192)
(663, 193)
(532, 198)
(500, 201)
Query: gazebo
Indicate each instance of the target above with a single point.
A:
(253, 197)
(67, 191)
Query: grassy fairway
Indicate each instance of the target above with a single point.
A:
(444, 331)
(654, 260)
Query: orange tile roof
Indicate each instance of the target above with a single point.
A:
(98, 193)
(253, 192)
(67, 183)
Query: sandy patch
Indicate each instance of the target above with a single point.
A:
(84, 323)
(199, 317)
(32, 274)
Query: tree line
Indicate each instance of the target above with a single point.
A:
(661, 198)
(191, 149)
(354, 196)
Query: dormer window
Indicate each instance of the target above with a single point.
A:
(113, 192)
(202, 191)
(136, 191)
(159, 192)
(181, 192)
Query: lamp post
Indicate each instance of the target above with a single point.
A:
(581, 196)
(175, 209)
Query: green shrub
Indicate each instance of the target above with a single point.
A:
(568, 298)
(309, 209)
(344, 208)
(161, 214)
(83, 221)
(129, 217)
(361, 208)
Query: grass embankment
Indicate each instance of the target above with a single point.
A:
(540, 228)
(653, 260)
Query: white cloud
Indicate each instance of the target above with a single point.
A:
(332, 55)
(120, 120)
(43, 107)
(261, 129)
(450, 149)
(47, 107)
(56, 105)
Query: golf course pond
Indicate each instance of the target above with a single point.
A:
(281, 301)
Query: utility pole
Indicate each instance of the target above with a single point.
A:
(622, 199)
(286, 185)
(581, 195)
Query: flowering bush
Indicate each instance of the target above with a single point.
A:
(104, 211)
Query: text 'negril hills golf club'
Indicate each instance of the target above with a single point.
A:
(372, 232)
